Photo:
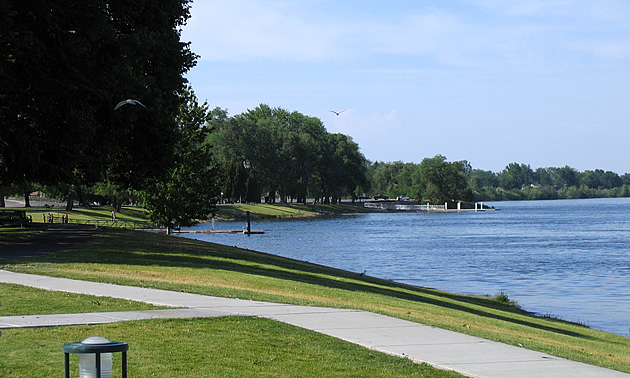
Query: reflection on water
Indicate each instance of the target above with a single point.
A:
(566, 258)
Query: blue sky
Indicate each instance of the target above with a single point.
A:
(540, 82)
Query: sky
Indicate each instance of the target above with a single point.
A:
(538, 82)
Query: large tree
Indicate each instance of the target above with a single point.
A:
(440, 181)
(344, 169)
(516, 176)
(65, 65)
(280, 151)
(564, 176)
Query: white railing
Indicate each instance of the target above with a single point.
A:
(394, 206)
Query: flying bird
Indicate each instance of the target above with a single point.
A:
(339, 112)
(129, 101)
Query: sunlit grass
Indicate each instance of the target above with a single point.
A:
(80, 214)
(171, 263)
(209, 347)
(22, 300)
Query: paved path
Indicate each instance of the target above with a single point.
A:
(465, 354)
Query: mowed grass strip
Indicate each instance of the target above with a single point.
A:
(206, 347)
(172, 263)
(81, 214)
(23, 300)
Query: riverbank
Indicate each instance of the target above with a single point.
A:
(151, 260)
(562, 259)
(238, 212)
(415, 342)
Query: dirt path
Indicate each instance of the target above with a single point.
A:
(57, 237)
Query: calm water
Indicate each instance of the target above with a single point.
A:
(566, 258)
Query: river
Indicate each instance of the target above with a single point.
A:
(566, 258)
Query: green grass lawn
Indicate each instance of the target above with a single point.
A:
(227, 346)
(9, 234)
(224, 212)
(172, 263)
(81, 215)
(207, 347)
(23, 300)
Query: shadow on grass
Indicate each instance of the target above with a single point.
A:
(117, 247)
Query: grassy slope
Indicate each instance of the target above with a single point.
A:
(227, 346)
(215, 347)
(152, 260)
(128, 213)
(259, 211)
(22, 300)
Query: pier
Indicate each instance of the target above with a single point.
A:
(428, 208)
(220, 232)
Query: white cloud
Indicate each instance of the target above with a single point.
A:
(421, 33)
(456, 72)
(615, 49)
(594, 10)
(353, 122)
(493, 33)
(526, 7)
(241, 30)
(375, 133)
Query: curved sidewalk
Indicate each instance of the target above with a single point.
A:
(468, 355)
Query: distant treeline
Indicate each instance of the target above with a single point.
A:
(515, 182)
(275, 155)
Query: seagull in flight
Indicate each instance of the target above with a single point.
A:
(339, 112)
(129, 101)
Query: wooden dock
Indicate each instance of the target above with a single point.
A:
(220, 232)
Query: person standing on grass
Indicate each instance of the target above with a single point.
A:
(113, 216)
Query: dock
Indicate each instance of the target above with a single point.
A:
(220, 232)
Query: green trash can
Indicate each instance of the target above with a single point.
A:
(95, 357)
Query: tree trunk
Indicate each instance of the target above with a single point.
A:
(117, 204)
(27, 198)
(70, 202)
(2, 203)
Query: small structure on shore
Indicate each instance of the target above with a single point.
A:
(396, 206)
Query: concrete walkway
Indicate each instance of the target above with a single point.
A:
(468, 355)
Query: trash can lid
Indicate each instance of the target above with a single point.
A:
(96, 344)
(95, 340)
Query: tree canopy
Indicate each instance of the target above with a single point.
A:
(273, 151)
(65, 65)
(440, 181)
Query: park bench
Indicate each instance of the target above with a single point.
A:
(13, 218)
